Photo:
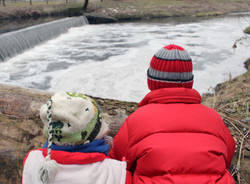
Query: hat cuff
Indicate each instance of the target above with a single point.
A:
(156, 84)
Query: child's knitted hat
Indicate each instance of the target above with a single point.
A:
(75, 119)
(170, 67)
(69, 119)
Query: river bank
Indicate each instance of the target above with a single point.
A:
(21, 126)
(19, 15)
(231, 100)
(124, 10)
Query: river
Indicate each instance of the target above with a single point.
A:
(110, 60)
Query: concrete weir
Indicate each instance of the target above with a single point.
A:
(16, 42)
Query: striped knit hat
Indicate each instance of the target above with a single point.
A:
(170, 67)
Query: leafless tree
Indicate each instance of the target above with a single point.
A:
(3, 2)
(30, 2)
(85, 5)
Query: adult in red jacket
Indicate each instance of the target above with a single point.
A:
(172, 138)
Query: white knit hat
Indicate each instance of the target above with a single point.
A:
(69, 119)
(76, 119)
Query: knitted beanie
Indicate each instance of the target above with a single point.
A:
(69, 119)
(75, 119)
(170, 67)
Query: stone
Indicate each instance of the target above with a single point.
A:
(247, 64)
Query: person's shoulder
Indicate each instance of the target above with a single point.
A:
(209, 109)
(33, 155)
(116, 168)
(114, 162)
(210, 114)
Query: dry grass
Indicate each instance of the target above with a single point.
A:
(25, 10)
(124, 9)
(232, 101)
(165, 8)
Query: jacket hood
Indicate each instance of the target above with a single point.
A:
(171, 95)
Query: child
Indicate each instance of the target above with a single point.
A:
(172, 138)
(76, 151)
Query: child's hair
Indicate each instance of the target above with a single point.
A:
(69, 119)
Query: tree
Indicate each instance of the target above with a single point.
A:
(85, 5)
(3, 2)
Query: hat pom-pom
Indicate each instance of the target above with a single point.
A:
(48, 171)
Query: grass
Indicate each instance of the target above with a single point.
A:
(40, 9)
(232, 100)
(165, 8)
(124, 9)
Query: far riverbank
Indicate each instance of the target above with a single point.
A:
(125, 10)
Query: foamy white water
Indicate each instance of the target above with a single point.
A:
(111, 60)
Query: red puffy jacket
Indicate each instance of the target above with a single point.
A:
(173, 139)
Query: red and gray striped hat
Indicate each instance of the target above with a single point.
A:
(170, 67)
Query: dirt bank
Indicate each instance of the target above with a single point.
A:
(232, 100)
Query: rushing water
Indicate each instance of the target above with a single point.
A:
(15, 42)
(111, 60)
